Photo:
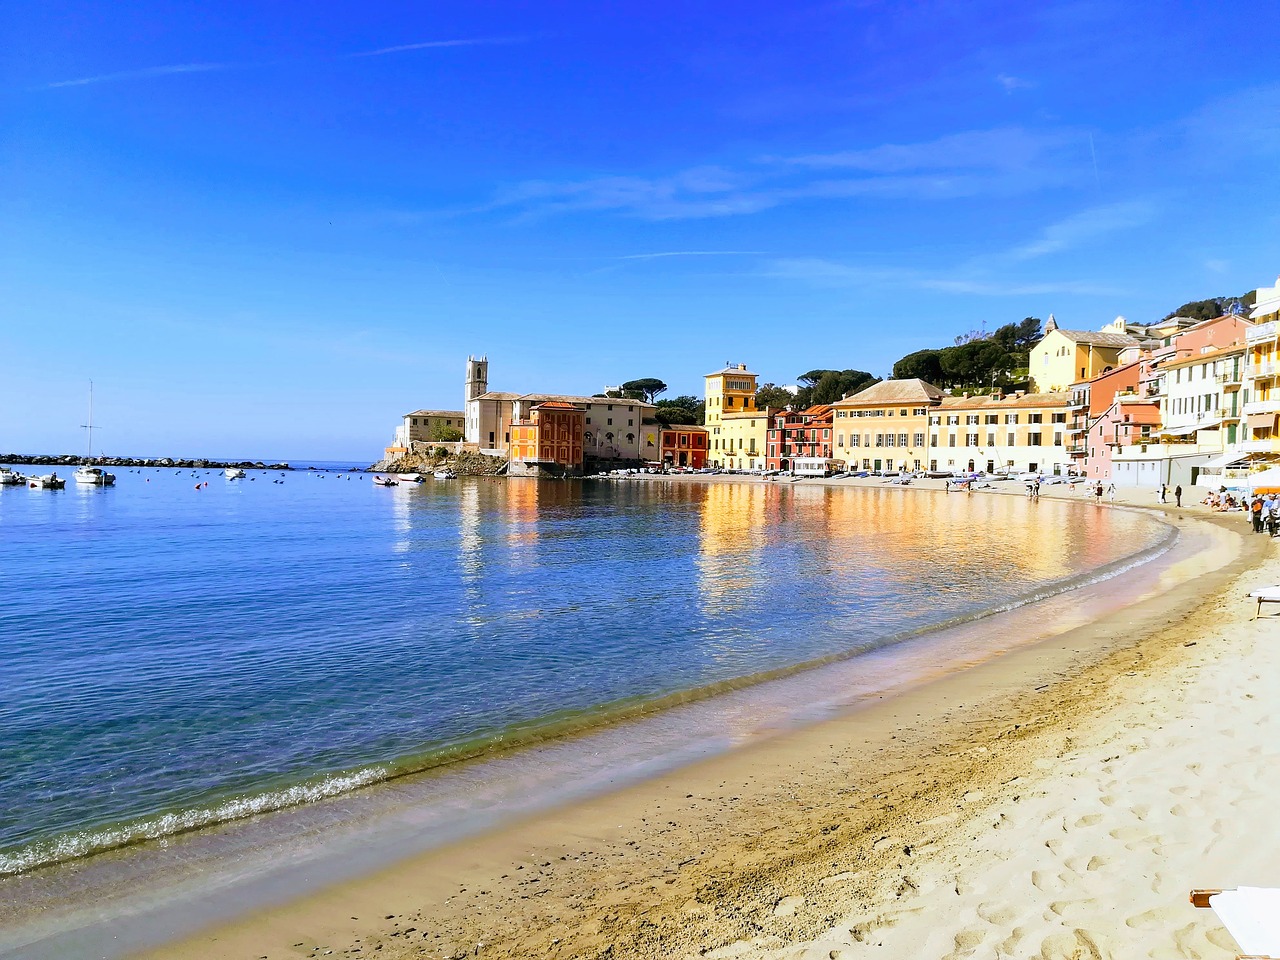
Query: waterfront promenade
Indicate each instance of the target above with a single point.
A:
(1057, 801)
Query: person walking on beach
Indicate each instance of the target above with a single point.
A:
(1164, 493)
(1177, 494)
(1255, 511)
(1097, 492)
(1111, 492)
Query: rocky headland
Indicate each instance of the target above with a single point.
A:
(464, 463)
(67, 460)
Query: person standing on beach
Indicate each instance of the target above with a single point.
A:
(1097, 492)
(1164, 492)
(1111, 492)
(1255, 511)
(1177, 494)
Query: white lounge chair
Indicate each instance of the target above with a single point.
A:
(1250, 914)
(1265, 595)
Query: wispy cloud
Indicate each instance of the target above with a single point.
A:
(1084, 226)
(147, 72)
(691, 253)
(1000, 162)
(179, 68)
(1011, 83)
(438, 44)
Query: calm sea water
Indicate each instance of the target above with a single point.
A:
(172, 656)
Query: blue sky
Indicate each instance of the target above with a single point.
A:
(272, 229)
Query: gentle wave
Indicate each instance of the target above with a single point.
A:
(77, 844)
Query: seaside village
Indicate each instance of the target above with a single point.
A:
(1178, 402)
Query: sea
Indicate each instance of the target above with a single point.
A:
(184, 656)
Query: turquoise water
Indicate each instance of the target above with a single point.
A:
(172, 657)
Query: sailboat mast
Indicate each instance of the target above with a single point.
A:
(89, 426)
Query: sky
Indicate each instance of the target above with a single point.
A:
(271, 230)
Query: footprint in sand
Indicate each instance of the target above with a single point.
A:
(998, 914)
(788, 906)
(1089, 820)
(1047, 882)
(1076, 945)
(967, 941)
(1160, 918)
(1012, 944)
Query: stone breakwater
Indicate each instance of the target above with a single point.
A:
(464, 464)
(50, 460)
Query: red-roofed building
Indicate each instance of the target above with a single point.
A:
(798, 433)
(683, 445)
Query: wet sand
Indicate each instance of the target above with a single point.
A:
(1057, 801)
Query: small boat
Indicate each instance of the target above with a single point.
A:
(11, 478)
(386, 481)
(233, 473)
(411, 477)
(94, 477)
(50, 481)
(445, 475)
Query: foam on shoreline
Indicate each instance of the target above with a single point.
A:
(818, 709)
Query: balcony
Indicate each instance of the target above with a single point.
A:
(1255, 370)
(1132, 396)
(1269, 445)
(1262, 406)
(1262, 333)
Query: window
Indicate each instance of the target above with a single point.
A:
(631, 422)
(840, 439)
(953, 421)
(991, 439)
(1059, 418)
(992, 418)
(933, 441)
(902, 439)
(879, 439)
(1035, 418)
(1010, 418)
(935, 421)
(1033, 439)
(917, 440)
(610, 423)
(611, 406)
(971, 420)
(951, 440)
(853, 440)
(588, 420)
(631, 438)
(888, 440)
(1057, 438)
(918, 411)
(1012, 439)
(971, 439)
(902, 412)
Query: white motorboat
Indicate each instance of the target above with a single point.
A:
(94, 477)
(386, 481)
(445, 475)
(50, 481)
(11, 478)
(410, 477)
(233, 473)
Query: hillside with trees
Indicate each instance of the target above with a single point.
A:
(977, 360)
(1214, 307)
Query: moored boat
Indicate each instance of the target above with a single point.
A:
(50, 481)
(233, 473)
(410, 477)
(11, 478)
(445, 475)
(94, 477)
(386, 481)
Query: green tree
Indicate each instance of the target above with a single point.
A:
(978, 363)
(682, 409)
(771, 395)
(648, 388)
(439, 433)
(828, 386)
(922, 365)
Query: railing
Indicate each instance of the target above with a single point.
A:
(1261, 369)
(1258, 446)
(1262, 406)
(1231, 376)
(1262, 332)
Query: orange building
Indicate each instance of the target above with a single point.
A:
(549, 442)
(684, 445)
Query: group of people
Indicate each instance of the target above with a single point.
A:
(1221, 502)
(1264, 513)
(1177, 493)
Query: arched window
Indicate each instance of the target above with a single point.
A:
(631, 438)
(587, 436)
(609, 437)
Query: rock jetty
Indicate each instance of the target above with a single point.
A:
(48, 460)
(464, 464)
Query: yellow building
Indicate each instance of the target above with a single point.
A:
(1065, 357)
(737, 429)
(885, 427)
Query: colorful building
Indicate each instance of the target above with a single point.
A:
(548, 442)
(886, 426)
(738, 431)
(682, 445)
(1064, 357)
(1000, 433)
(799, 433)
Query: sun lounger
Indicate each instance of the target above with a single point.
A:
(1265, 595)
(1250, 914)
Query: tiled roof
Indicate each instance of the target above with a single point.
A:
(888, 392)
(739, 372)
(1099, 339)
(569, 398)
(556, 405)
(1007, 401)
(458, 414)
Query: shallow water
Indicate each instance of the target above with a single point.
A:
(173, 657)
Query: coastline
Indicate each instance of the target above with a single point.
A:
(714, 853)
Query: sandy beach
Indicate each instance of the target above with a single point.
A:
(1059, 801)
